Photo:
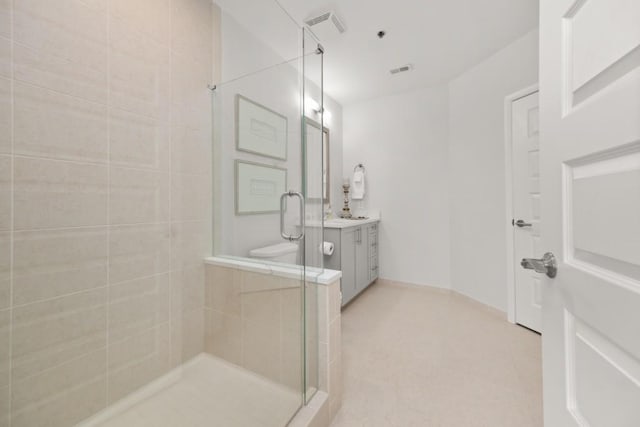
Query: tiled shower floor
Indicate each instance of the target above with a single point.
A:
(211, 393)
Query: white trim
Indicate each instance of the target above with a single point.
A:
(508, 161)
(312, 412)
(317, 276)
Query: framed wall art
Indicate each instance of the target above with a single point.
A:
(260, 130)
(258, 188)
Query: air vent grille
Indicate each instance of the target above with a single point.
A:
(318, 19)
(326, 25)
(402, 69)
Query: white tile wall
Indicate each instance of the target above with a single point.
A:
(104, 199)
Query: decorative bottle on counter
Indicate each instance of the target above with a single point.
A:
(346, 212)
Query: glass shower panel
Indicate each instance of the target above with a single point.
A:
(316, 197)
(264, 202)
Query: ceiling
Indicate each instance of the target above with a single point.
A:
(440, 38)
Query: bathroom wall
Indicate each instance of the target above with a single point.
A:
(104, 199)
(435, 170)
(256, 75)
(402, 141)
(477, 172)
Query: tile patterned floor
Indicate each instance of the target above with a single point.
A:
(417, 356)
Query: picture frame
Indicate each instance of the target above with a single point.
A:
(260, 130)
(258, 187)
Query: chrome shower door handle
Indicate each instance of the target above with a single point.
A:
(283, 198)
(547, 265)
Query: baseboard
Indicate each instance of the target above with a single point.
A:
(480, 304)
(392, 282)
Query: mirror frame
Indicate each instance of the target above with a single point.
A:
(326, 153)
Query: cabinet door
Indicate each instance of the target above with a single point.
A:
(362, 259)
(348, 263)
(373, 251)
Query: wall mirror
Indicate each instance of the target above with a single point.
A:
(317, 143)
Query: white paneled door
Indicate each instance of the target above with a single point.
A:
(590, 179)
(525, 139)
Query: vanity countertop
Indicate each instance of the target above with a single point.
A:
(343, 223)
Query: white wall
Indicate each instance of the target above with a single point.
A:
(402, 141)
(476, 175)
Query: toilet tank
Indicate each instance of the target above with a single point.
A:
(280, 252)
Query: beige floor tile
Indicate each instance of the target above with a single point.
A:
(422, 357)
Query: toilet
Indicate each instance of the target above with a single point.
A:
(282, 252)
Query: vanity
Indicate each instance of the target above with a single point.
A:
(355, 253)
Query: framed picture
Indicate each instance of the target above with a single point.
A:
(260, 130)
(258, 188)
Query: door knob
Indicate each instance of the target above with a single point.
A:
(547, 265)
(520, 223)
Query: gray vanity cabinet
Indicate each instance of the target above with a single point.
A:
(356, 255)
(348, 241)
(363, 277)
(372, 233)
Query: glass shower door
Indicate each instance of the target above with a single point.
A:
(261, 307)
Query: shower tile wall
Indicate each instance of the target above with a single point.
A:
(253, 320)
(104, 199)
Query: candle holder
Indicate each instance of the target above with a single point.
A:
(346, 212)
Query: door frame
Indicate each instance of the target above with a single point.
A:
(508, 170)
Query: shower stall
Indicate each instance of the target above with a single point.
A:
(161, 214)
(268, 201)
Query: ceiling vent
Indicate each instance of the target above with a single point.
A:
(326, 25)
(402, 69)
